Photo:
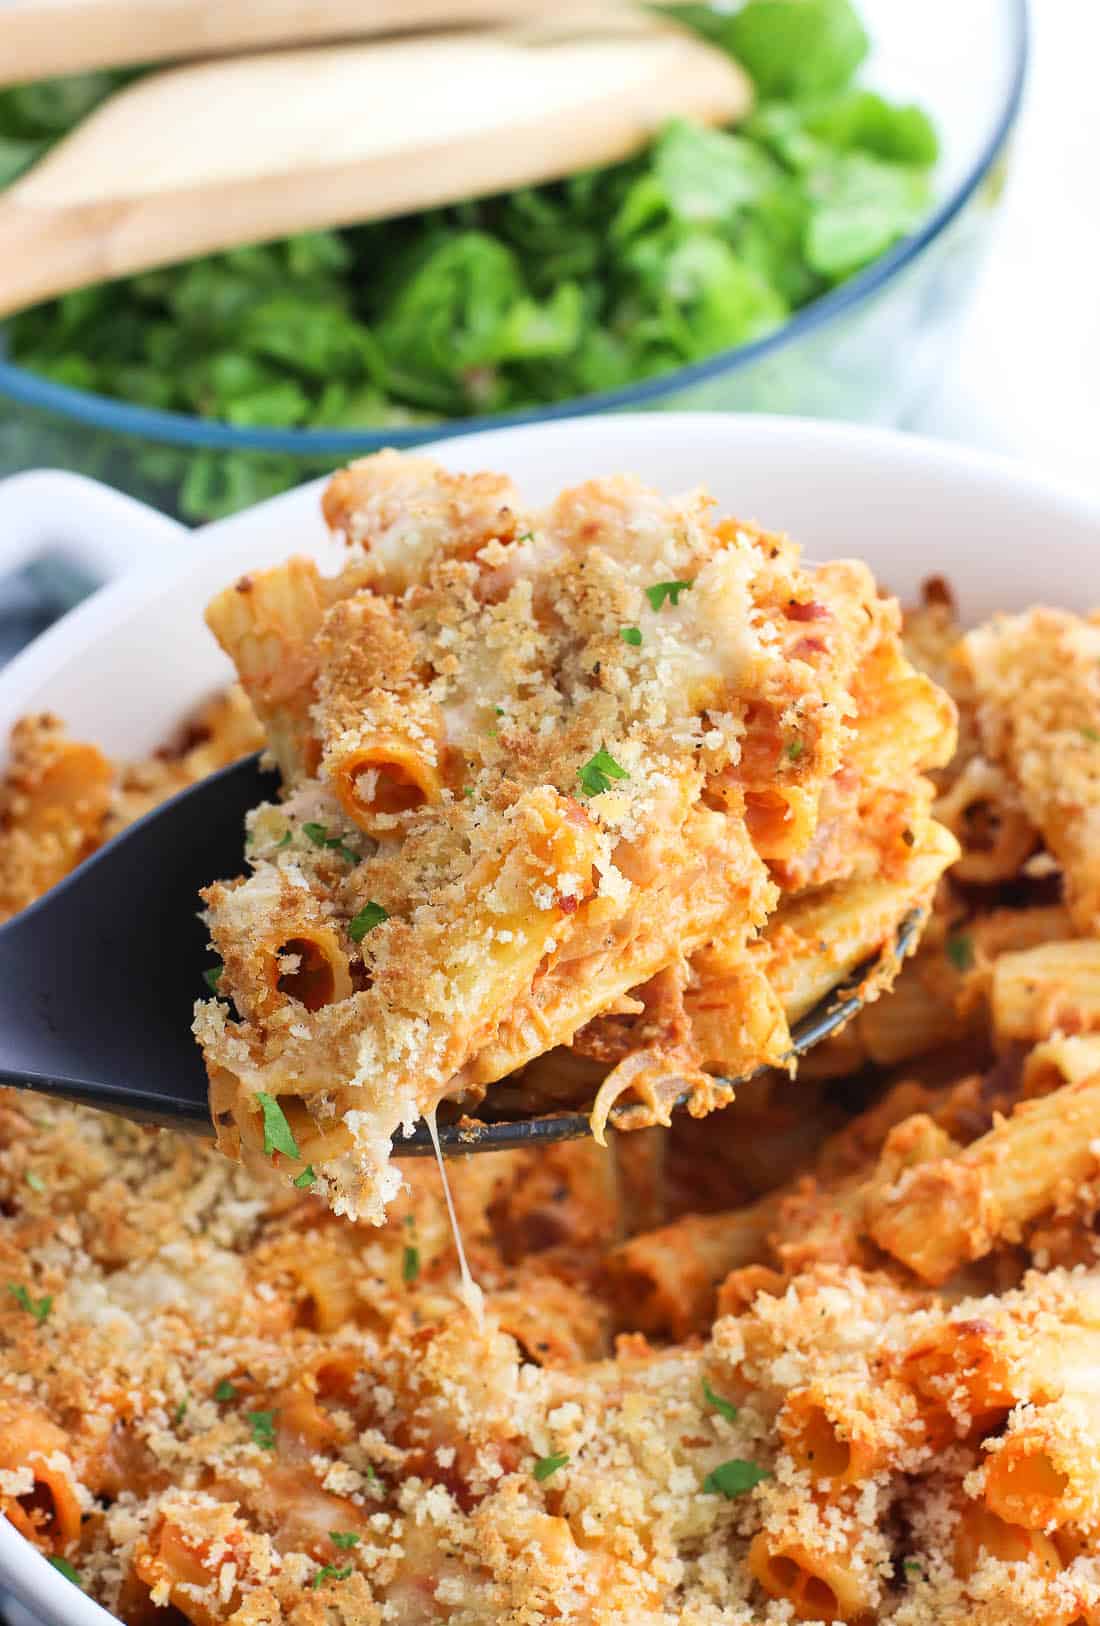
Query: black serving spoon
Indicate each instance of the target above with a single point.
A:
(99, 977)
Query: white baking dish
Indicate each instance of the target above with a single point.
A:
(123, 667)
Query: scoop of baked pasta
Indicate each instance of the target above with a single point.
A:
(613, 790)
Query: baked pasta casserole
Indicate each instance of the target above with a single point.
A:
(615, 783)
(828, 1356)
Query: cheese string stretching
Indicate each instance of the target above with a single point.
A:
(536, 766)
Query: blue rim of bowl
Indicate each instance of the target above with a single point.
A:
(180, 429)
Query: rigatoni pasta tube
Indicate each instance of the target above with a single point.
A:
(781, 820)
(267, 623)
(969, 1372)
(67, 793)
(324, 1281)
(405, 512)
(382, 734)
(842, 1430)
(737, 1020)
(1034, 679)
(54, 800)
(920, 1015)
(820, 1583)
(666, 1280)
(609, 952)
(1043, 1471)
(1065, 1060)
(278, 947)
(310, 967)
(1054, 987)
(902, 717)
(554, 1323)
(47, 1509)
(980, 1531)
(849, 1151)
(1006, 931)
(378, 775)
(982, 810)
(819, 940)
(944, 1213)
(1071, 1545)
(179, 1569)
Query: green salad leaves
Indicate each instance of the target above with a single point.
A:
(709, 239)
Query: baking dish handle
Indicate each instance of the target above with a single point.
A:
(58, 523)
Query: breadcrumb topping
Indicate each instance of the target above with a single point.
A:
(714, 1382)
(533, 761)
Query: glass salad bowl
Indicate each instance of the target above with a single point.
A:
(868, 349)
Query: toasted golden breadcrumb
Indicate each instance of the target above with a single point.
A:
(710, 1387)
(540, 769)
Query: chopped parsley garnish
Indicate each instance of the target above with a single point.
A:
(912, 1567)
(321, 838)
(212, 976)
(528, 536)
(410, 1263)
(499, 710)
(262, 1424)
(734, 1478)
(725, 1408)
(225, 1390)
(38, 1308)
(598, 772)
(285, 841)
(344, 1538)
(631, 635)
(63, 1567)
(546, 1466)
(181, 1410)
(960, 951)
(370, 916)
(278, 1136)
(662, 590)
(468, 790)
(331, 1572)
(1092, 734)
(35, 1181)
(795, 749)
(305, 1178)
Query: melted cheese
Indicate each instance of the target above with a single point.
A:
(470, 1293)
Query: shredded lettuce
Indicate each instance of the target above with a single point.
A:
(709, 239)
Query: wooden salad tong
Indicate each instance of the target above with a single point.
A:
(205, 157)
(44, 38)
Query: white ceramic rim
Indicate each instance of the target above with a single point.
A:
(59, 508)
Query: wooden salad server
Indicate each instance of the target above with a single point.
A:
(98, 979)
(43, 38)
(197, 159)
